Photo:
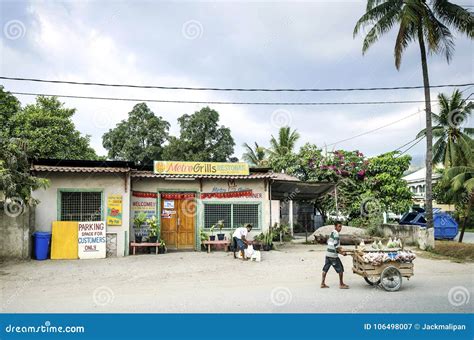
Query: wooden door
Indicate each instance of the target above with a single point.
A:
(186, 211)
(177, 223)
(169, 225)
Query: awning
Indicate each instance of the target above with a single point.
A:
(297, 191)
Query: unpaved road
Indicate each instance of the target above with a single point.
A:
(285, 281)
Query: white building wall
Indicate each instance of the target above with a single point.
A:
(110, 183)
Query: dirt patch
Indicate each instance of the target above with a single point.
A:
(456, 251)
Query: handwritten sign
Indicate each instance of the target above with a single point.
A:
(114, 210)
(92, 240)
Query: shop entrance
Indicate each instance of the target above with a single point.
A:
(178, 211)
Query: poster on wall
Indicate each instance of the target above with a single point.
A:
(114, 210)
(92, 240)
(167, 204)
(143, 202)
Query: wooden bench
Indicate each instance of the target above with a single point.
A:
(133, 245)
(225, 243)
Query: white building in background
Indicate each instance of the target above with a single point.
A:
(417, 183)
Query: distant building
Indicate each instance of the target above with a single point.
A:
(416, 181)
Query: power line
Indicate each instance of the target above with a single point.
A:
(222, 102)
(401, 154)
(231, 89)
(376, 129)
(401, 147)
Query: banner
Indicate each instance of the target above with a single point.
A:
(230, 194)
(114, 210)
(143, 202)
(200, 168)
(92, 240)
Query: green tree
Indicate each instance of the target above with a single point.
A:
(429, 25)
(201, 139)
(48, 131)
(16, 182)
(281, 151)
(453, 146)
(256, 156)
(139, 138)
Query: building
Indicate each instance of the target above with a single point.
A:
(416, 181)
(183, 203)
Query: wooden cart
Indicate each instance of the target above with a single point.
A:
(388, 275)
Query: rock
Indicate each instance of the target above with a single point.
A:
(348, 235)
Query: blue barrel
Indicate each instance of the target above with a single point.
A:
(42, 241)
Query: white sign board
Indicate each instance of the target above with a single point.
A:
(92, 240)
(167, 204)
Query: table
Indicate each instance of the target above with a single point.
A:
(225, 243)
(145, 244)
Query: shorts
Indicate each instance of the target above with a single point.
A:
(239, 244)
(335, 262)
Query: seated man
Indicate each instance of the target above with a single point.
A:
(240, 241)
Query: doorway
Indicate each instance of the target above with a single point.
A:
(178, 216)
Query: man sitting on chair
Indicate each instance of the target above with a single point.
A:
(239, 240)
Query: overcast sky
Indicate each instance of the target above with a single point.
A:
(223, 44)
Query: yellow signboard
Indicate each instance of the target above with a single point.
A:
(200, 168)
(114, 210)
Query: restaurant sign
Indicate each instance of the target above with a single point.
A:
(200, 168)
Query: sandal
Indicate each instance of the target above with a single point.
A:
(343, 287)
(324, 286)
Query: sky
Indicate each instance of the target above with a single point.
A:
(242, 44)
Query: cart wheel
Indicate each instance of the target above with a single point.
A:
(391, 279)
(372, 280)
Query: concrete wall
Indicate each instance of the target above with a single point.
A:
(110, 183)
(16, 241)
(410, 234)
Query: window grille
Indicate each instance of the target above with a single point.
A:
(234, 215)
(81, 206)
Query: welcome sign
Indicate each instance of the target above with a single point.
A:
(200, 168)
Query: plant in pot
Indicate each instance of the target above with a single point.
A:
(203, 236)
(162, 247)
(153, 229)
(212, 237)
(257, 241)
(138, 222)
(220, 225)
(268, 240)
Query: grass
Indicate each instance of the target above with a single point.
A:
(458, 252)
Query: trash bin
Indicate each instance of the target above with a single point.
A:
(445, 226)
(42, 241)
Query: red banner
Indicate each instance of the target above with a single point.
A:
(144, 194)
(178, 196)
(230, 194)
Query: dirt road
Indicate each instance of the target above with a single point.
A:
(285, 281)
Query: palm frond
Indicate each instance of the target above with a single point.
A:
(455, 15)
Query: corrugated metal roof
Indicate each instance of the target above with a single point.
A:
(150, 174)
(51, 168)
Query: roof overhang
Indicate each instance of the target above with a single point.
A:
(300, 191)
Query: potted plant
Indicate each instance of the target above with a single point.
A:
(153, 229)
(268, 240)
(203, 236)
(220, 225)
(212, 237)
(257, 241)
(138, 222)
(162, 247)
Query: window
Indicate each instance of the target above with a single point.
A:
(81, 206)
(234, 214)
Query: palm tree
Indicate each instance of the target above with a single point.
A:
(460, 180)
(430, 26)
(454, 144)
(256, 156)
(285, 143)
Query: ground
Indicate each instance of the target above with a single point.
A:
(285, 281)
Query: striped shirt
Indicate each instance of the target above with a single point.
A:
(333, 244)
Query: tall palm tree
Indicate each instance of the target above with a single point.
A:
(256, 156)
(454, 144)
(430, 26)
(285, 143)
